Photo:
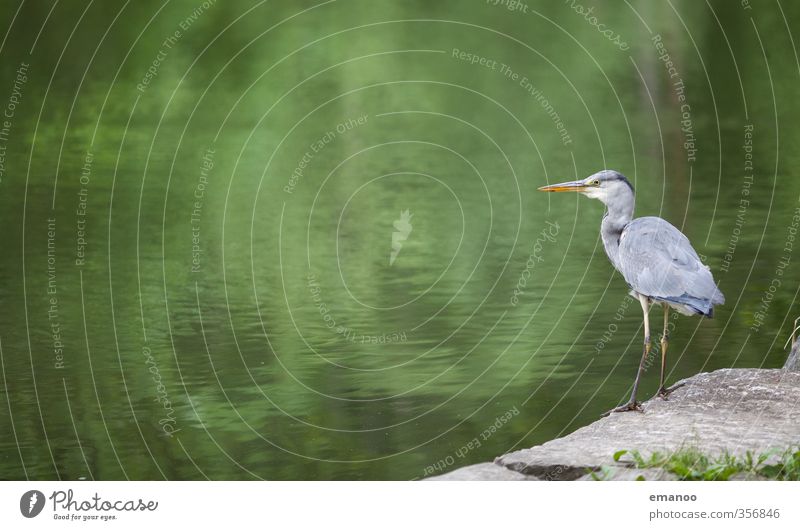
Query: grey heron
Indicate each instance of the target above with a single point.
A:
(655, 258)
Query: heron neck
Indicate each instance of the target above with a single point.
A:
(618, 214)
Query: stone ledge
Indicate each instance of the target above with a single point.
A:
(483, 472)
(729, 410)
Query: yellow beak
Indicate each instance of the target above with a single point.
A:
(575, 185)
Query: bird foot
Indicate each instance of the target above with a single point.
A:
(631, 405)
(664, 393)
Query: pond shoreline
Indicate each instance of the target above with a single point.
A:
(728, 411)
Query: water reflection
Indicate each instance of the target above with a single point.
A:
(263, 320)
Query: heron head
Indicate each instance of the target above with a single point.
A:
(607, 186)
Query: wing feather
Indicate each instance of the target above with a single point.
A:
(657, 260)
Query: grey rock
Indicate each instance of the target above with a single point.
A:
(727, 411)
(730, 410)
(483, 472)
(793, 362)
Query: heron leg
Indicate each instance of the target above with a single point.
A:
(632, 404)
(664, 393)
(664, 344)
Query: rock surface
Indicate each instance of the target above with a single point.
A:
(793, 362)
(730, 410)
(483, 472)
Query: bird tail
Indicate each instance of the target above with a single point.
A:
(689, 305)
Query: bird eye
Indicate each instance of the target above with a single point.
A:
(596, 182)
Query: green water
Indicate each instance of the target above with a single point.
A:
(198, 277)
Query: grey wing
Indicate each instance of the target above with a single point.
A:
(658, 261)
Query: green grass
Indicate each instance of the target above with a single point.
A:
(691, 464)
